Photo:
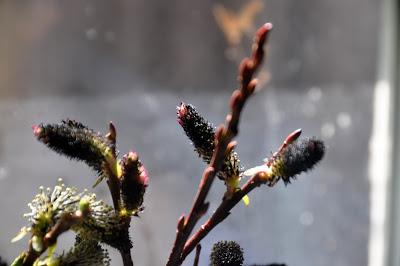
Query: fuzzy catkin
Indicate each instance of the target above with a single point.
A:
(299, 156)
(202, 134)
(76, 141)
(226, 253)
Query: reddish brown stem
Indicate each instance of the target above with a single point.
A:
(197, 256)
(114, 187)
(114, 184)
(222, 212)
(113, 181)
(126, 258)
(223, 137)
(66, 221)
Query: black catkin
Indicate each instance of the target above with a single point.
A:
(226, 253)
(299, 156)
(76, 141)
(202, 134)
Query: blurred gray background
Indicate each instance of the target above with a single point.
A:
(132, 62)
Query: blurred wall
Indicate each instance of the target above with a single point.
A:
(101, 46)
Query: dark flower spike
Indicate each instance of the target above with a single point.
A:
(300, 156)
(76, 141)
(226, 253)
(134, 181)
(198, 129)
(202, 134)
(293, 157)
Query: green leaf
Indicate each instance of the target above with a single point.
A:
(20, 235)
(246, 200)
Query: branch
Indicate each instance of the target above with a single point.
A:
(197, 257)
(76, 141)
(126, 258)
(113, 180)
(114, 184)
(223, 211)
(66, 221)
(303, 154)
(224, 136)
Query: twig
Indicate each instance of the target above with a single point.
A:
(224, 135)
(66, 221)
(114, 184)
(113, 181)
(197, 257)
(126, 258)
(223, 210)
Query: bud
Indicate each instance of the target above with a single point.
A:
(84, 205)
(226, 253)
(202, 134)
(134, 181)
(19, 261)
(37, 243)
(52, 262)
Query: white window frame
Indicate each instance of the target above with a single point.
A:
(384, 164)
